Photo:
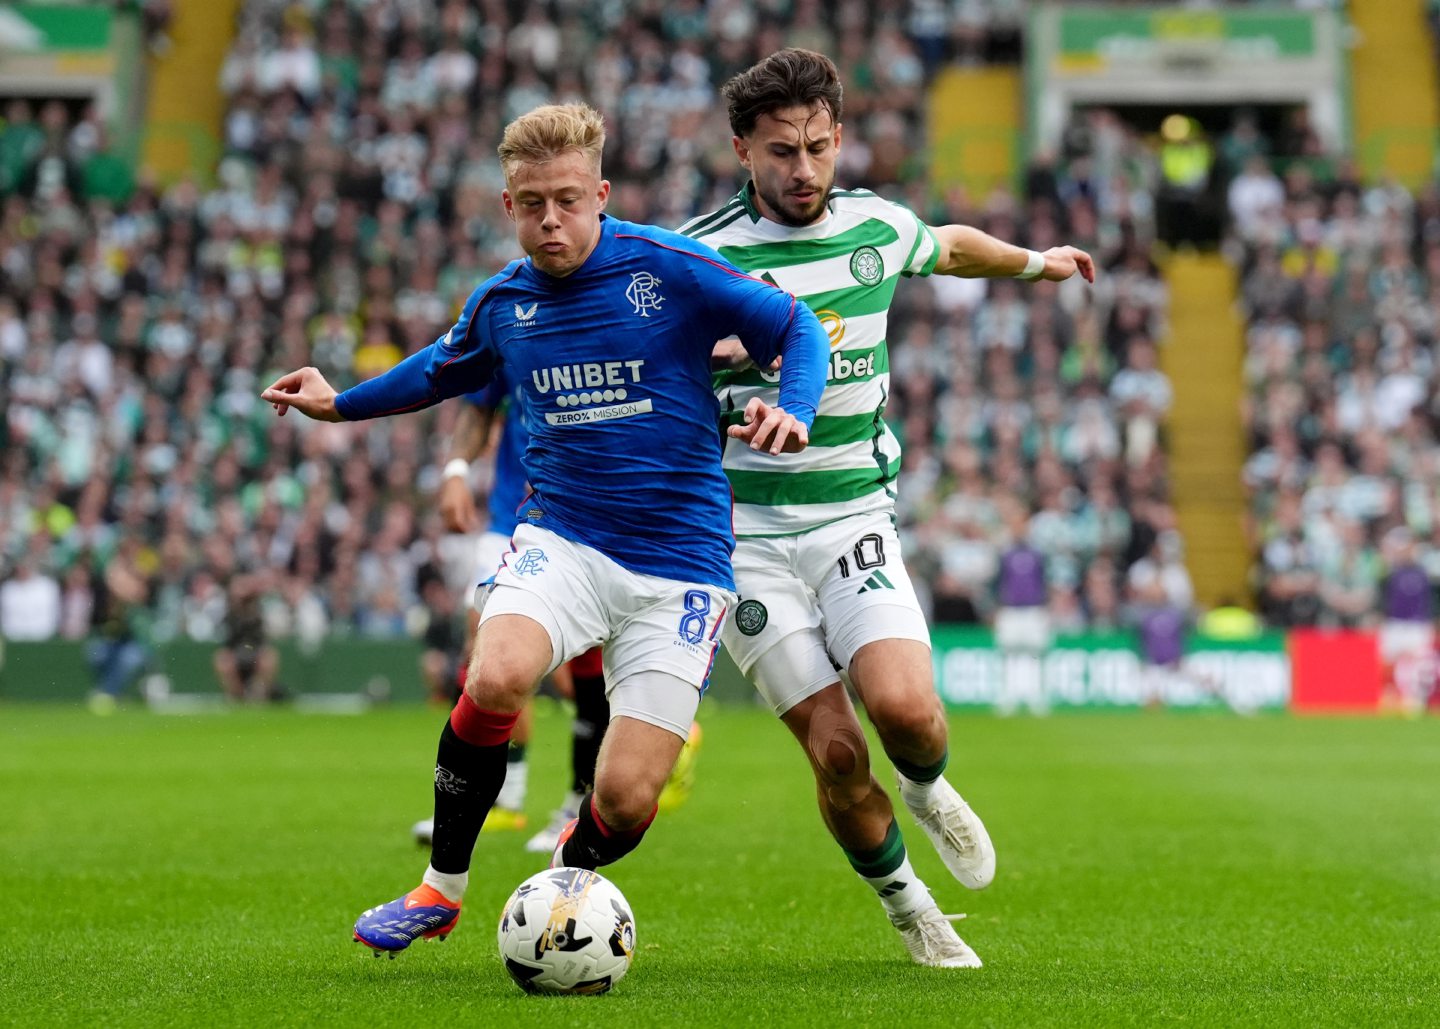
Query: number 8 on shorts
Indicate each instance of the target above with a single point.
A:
(697, 609)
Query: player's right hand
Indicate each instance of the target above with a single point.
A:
(305, 390)
(457, 505)
(771, 428)
(1063, 262)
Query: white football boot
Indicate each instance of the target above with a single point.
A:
(544, 841)
(957, 833)
(932, 940)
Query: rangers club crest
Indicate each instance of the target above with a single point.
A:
(532, 562)
(643, 294)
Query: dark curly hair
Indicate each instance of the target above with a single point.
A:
(787, 78)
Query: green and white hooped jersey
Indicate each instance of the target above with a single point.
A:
(845, 268)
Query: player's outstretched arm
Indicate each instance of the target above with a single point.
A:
(771, 428)
(307, 392)
(971, 254)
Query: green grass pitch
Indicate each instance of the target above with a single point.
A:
(1154, 869)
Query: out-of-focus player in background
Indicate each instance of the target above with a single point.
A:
(246, 663)
(824, 591)
(442, 661)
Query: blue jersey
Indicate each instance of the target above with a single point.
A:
(510, 483)
(613, 361)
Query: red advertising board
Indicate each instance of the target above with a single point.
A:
(1335, 670)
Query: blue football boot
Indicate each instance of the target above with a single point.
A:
(423, 913)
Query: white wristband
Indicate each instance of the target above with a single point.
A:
(456, 468)
(1034, 265)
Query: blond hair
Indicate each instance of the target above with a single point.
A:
(547, 132)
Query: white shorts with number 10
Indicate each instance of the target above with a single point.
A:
(809, 602)
(645, 623)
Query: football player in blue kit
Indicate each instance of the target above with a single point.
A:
(607, 327)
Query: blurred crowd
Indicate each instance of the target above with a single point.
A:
(1341, 288)
(1031, 414)
(145, 492)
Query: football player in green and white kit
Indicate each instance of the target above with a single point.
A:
(817, 562)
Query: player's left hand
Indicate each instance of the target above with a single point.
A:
(1063, 262)
(771, 428)
(457, 505)
(307, 391)
(730, 355)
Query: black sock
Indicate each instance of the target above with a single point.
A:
(467, 781)
(593, 844)
(592, 715)
(515, 754)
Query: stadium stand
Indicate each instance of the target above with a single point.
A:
(354, 208)
(1339, 292)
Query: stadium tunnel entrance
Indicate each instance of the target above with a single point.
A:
(1199, 149)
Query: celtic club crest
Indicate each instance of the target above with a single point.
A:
(750, 617)
(867, 267)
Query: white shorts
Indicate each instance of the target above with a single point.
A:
(490, 550)
(1406, 639)
(646, 623)
(1023, 629)
(809, 602)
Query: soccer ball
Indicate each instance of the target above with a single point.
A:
(566, 930)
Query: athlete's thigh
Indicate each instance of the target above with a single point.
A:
(865, 594)
(667, 627)
(894, 678)
(512, 651)
(551, 581)
(775, 635)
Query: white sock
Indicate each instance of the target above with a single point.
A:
(916, 794)
(901, 892)
(571, 804)
(450, 885)
(512, 794)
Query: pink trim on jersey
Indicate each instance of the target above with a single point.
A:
(479, 304)
(529, 492)
(401, 410)
(731, 271)
(718, 622)
(503, 558)
(709, 667)
(701, 257)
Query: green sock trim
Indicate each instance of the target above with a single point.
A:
(515, 754)
(922, 773)
(884, 859)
